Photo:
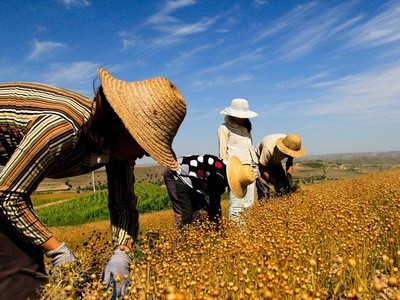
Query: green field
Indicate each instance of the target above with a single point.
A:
(85, 208)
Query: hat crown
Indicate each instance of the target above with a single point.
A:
(239, 108)
(292, 141)
(240, 104)
(152, 110)
(246, 175)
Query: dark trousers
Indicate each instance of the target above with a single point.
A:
(22, 270)
(186, 202)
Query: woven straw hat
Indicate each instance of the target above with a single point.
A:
(239, 176)
(291, 145)
(152, 111)
(240, 109)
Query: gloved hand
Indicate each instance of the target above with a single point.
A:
(61, 255)
(117, 273)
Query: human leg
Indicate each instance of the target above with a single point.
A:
(171, 189)
(235, 206)
(199, 205)
(249, 197)
(183, 199)
(22, 271)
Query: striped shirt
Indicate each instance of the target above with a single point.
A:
(41, 136)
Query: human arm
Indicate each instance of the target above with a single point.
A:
(289, 169)
(48, 139)
(265, 175)
(265, 150)
(124, 223)
(223, 142)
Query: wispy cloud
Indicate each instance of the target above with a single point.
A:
(291, 19)
(260, 2)
(184, 59)
(365, 95)
(310, 81)
(239, 60)
(77, 76)
(175, 33)
(170, 29)
(308, 27)
(163, 16)
(382, 29)
(223, 80)
(44, 48)
(128, 39)
(75, 3)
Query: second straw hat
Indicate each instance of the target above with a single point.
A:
(239, 176)
(152, 111)
(291, 145)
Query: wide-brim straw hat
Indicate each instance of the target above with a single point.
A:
(291, 145)
(151, 110)
(239, 176)
(240, 109)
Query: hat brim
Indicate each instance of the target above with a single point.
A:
(232, 170)
(238, 113)
(151, 110)
(296, 154)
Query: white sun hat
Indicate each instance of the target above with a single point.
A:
(240, 109)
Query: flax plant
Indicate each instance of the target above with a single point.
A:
(332, 240)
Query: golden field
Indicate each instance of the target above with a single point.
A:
(332, 240)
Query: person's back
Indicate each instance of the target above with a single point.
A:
(267, 152)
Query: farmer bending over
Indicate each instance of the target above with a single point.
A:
(199, 183)
(271, 151)
(49, 132)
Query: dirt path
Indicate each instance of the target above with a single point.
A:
(53, 203)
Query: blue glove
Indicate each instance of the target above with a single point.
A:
(117, 273)
(61, 255)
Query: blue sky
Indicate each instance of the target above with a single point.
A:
(326, 70)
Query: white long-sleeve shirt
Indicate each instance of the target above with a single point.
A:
(236, 140)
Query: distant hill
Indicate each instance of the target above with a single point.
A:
(392, 157)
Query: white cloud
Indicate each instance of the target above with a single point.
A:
(384, 28)
(260, 2)
(44, 48)
(75, 3)
(308, 27)
(289, 20)
(171, 29)
(183, 60)
(222, 80)
(305, 81)
(188, 29)
(76, 76)
(128, 39)
(239, 60)
(367, 95)
(174, 28)
(163, 17)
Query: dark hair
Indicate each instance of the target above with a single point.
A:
(104, 124)
(247, 124)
